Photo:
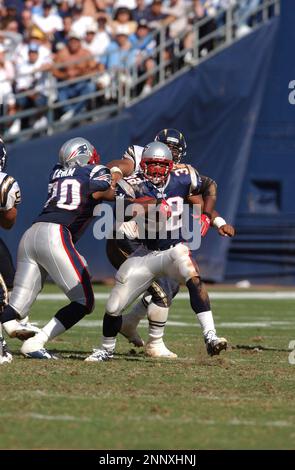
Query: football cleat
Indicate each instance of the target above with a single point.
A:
(214, 345)
(24, 331)
(158, 349)
(5, 355)
(39, 354)
(99, 355)
(129, 331)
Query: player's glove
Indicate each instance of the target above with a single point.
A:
(205, 224)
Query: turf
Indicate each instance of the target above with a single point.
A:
(243, 399)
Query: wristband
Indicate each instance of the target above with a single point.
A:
(116, 169)
(219, 222)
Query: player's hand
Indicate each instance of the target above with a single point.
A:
(164, 208)
(226, 230)
(116, 176)
(205, 224)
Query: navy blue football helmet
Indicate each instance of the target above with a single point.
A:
(3, 155)
(175, 141)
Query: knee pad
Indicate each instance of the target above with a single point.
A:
(115, 304)
(182, 261)
(198, 295)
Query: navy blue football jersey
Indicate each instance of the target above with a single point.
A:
(180, 184)
(70, 202)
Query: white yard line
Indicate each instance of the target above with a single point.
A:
(255, 324)
(45, 417)
(207, 422)
(277, 295)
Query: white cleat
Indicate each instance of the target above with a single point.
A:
(214, 345)
(99, 355)
(34, 349)
(40, 354)
(128, 329)
(5, 355)
(158, 349)
(25, 330)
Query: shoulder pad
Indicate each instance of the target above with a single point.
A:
(99, 168)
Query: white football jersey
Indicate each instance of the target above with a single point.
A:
(134, 153)
(9, 192)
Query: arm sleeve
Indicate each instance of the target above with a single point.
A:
(100, 179)
(10, 194)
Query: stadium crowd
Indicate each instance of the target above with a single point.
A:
(45, 42)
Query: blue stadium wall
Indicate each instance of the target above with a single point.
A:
(239, 129)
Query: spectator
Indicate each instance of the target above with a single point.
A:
(97, 39)
(155, 15)
(44, 52)
(26, 23)
(31, 76)
(144, 43)
(139, 12)
(119, 58)
(63, 8)
(80, 22)
(37, 7)
(49, 22)
(123, 21)
(7, 99)
(120, 54)
(74, 61)
(61, 38)
(177, 12)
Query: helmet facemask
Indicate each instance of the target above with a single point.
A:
(156, 170)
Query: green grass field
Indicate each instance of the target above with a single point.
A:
(243, 399)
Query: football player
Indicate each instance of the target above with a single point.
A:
(168, 256)
(155, 304)
(10, 198)
(75, 188)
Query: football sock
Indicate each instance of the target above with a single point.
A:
(206, 321)
(53, 328)
(111, 325)
(157, 317)
(108, 343)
